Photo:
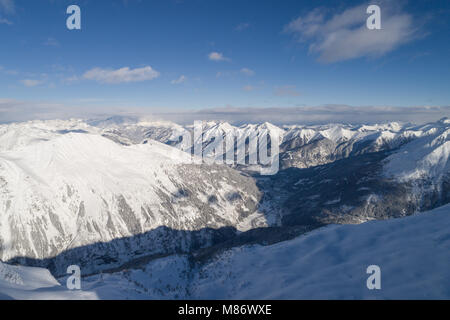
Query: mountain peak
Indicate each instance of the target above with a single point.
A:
(445, 120)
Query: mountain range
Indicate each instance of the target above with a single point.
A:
(119, 193)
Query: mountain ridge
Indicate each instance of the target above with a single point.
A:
(68, 184)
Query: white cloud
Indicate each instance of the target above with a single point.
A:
(11, 72)
(181, 79)
(247, 72)
(70, 79)
(5, 21)
(344, 35)
(217, 56)
(51, 42)
(221, 74)
(7, 6)
(30, 82)
(288, 90)
(122, 75)
(248, 88)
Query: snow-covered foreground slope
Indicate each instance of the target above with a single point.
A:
(329, 263)
(70, 189)
(25, 283)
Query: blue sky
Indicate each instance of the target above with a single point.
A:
(181, 54)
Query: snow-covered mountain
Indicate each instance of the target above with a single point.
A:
(300, 146)
(425, 158)
(413, 254)
(307, 146)
(204, 136)
(65, 189)
(105, 194)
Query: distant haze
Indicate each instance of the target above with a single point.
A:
(18, 111)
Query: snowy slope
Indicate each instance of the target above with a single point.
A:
(27, 283)
(18, 135)
(423, 158)
(100, 194)
(413, 254)
(329, 263)
(72, 189)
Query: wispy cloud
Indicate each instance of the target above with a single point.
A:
(7, 6)
(248, 88)
(122, 75)
(52, 42)
(31, 82)
(71, 79)
(11, 72)
(344, 35)
(179, 80)
(288, 90)
(5, 21)
(247, 72)
(233, 73)
(242, 26)
(217, 56)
